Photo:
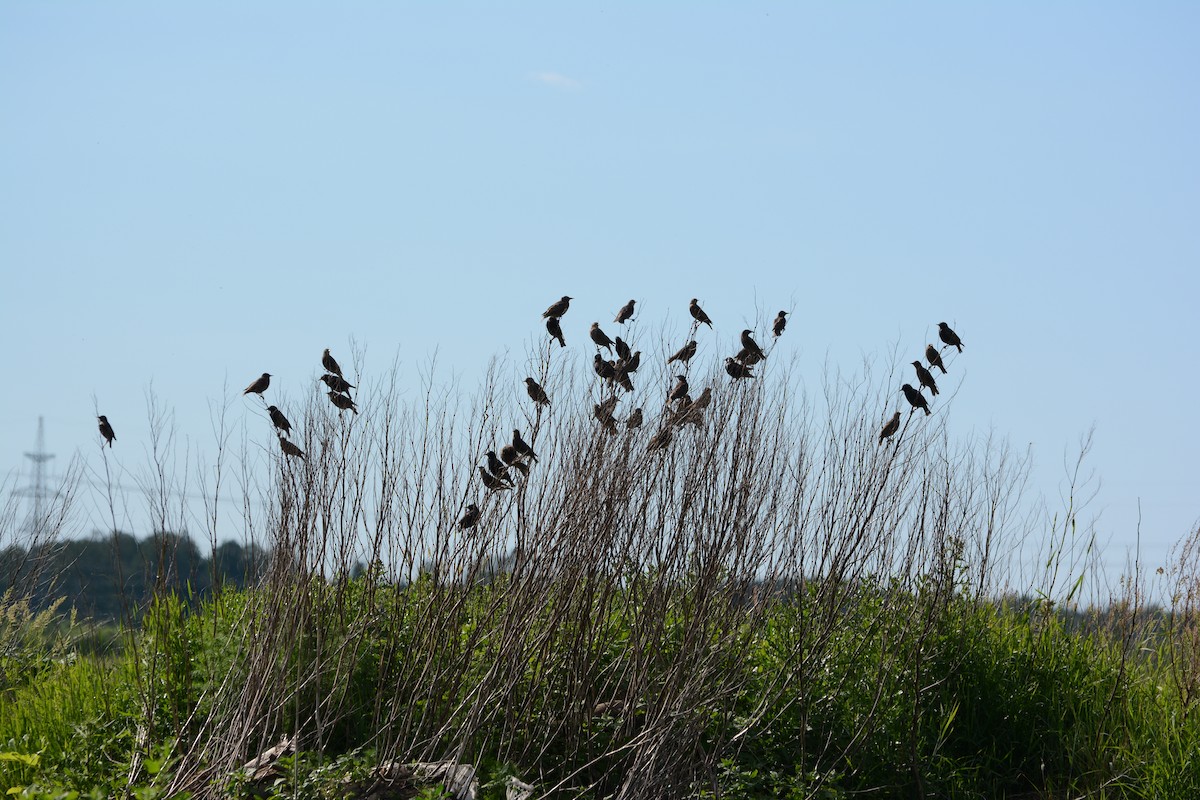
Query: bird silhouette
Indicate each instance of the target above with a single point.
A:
(260, 385)
(555, 331)
(106, 431)
(685, 353)
(509, 455)
(749, 357)
(915, 399)
(337, 383)
(600, 337)
(925, 377)
(559, 308)
(625, 313)
(603, 368)
(890, 427)
(469, 517)
(521, 446)
(342, 401)
(290, 449)
(492, 482)
(279, 420)
(635, 419)
(949, 336)
(779, 324)
(633, 362)
(751, 346)
(737, 370)
(623, 351)
(604, 415)
(660, 440)
(698, 313)
(496, 466)
(680, 389)
(621, 376)
(536, 393)
(934, 358)
(330, 364)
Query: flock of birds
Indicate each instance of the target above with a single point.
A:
(615, 373)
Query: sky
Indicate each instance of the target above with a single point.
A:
(192, 194)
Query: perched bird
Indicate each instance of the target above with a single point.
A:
(106, 430)
(330, 364)
(698, 313)
(555, 331)
(279, 420)
(623, 351)
(492, 482)
(290, 449)
(925, 377)
(749, 357)
(342, 401)
(685, 353)
(608, 405)
(508, 454)
(890, 428)
(736, 369)
(603, 368)
(604, 415)
(496, 466)
(259, 386)
(660, 440)
(536, 393)
(704, 400)
(949, 337)
(751, 346)
(621, 377)
(337, 383)
(779, 324)
(559, 308)
(680, 389)
(625, 313)
(635, 419)
(521, 467)
(600, 337)
(934, 358)
(469, 517)
(915, 399)
(633, 362)
(522, 447)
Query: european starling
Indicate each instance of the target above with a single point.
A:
(342, 401)
(260, 385)
(623, 351)
(604, 415)
(330, 364)
(279, 420)
(635, 419)
(608, 406)
(492, 482)
(337, 383)
(522, 447)
(621, 377)
(890, 428)
(925, 377)
(949, 337)
(737, 369)
(625, 313)
(779, 324)
(521, 467)
(603, 368)
(559, 308)
(536, 393)
(556, 331)
(915, 399)
(934, 358)
(680, 389)
(496, 466)
(634, 362)
(749, 357)
(508, 454)
(469, 517)
(106, 430)
(660, 440)
(704, 400)
(685, 353)
(600, 337)
(698, 313)
(290, 449)
(749, 344)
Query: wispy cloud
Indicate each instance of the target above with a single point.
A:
(556, 80)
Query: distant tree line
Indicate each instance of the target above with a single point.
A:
(116, 576)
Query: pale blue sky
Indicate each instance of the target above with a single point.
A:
(190, 194)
